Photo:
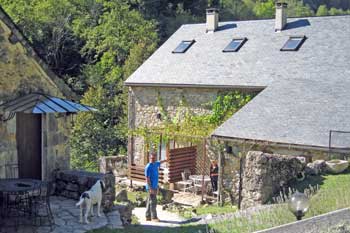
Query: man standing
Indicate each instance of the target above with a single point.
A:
(151, 173)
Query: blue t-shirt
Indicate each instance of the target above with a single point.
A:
(151, 171)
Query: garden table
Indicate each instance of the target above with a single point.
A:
(197, 180)
(17, 189)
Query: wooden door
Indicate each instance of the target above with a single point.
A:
(28, 136)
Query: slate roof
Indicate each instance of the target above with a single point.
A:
(306, 92)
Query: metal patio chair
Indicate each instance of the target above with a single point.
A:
(41, 205)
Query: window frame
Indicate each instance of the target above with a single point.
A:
(301, 42)
(243, 39)
(189, 46)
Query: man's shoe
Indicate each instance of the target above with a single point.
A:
(155, 220)
(148, 219)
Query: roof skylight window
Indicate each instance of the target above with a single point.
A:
(184, 46)
(235, 44)
(293, 43)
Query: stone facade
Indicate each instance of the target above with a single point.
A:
(72, 183)
(264, 174)
(22, 72)
(146, 102)
(144, 107)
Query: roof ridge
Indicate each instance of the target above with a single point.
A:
(268, 19)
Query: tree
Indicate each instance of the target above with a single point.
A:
(264, 9)
(117, 41)
(322, 10)
(47, 25)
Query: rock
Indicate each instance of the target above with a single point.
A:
(140, 202)
(337, 166)
(125, 211)
(316, 168)
(263, 175)
(70, 195)
(122, 196)
(114, 220)
(72, 187)
(302, 159)
(167, 195)
(209, 216)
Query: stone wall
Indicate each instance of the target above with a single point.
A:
(231, 161)
(8, 150)
(72, 183)
(56, 150)
(114, 164)
(144, 106)
(263, 175)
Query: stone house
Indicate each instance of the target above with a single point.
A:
(299, 66)
(32, 145)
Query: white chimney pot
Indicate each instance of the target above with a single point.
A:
(212, 19)
(281, 16)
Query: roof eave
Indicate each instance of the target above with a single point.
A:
(280, 144)
(189, 85)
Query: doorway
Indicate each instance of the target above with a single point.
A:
(28, 136)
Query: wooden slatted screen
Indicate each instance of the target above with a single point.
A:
(137, 172)
(179, 160)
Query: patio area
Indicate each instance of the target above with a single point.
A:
(66, 220)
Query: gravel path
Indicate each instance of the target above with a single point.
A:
(167, 219)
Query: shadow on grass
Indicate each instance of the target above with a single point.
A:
(312, 181)
(315, 180)
(154, 229)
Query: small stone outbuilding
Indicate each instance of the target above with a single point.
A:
(32, 145)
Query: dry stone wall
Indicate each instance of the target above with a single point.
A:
(72, 183)
(264, 174)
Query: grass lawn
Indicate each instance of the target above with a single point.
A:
(333, 195)
(132, 196)
(208, 209)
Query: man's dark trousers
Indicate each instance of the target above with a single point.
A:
(151, 211)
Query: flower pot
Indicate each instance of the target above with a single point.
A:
(337, 166)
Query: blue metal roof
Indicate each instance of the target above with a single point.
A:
(39, 103)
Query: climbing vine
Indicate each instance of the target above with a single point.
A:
(188, 126)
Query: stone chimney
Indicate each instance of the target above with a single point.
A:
(281, 16)
(212, 19)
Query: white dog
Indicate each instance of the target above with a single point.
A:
(89, 199)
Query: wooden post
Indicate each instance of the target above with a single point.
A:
(203, 167)
(130, 156)
(131, 125)
(240, 182)
(171, 185)
(220, 186)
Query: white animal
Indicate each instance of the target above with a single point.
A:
(89, 198)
